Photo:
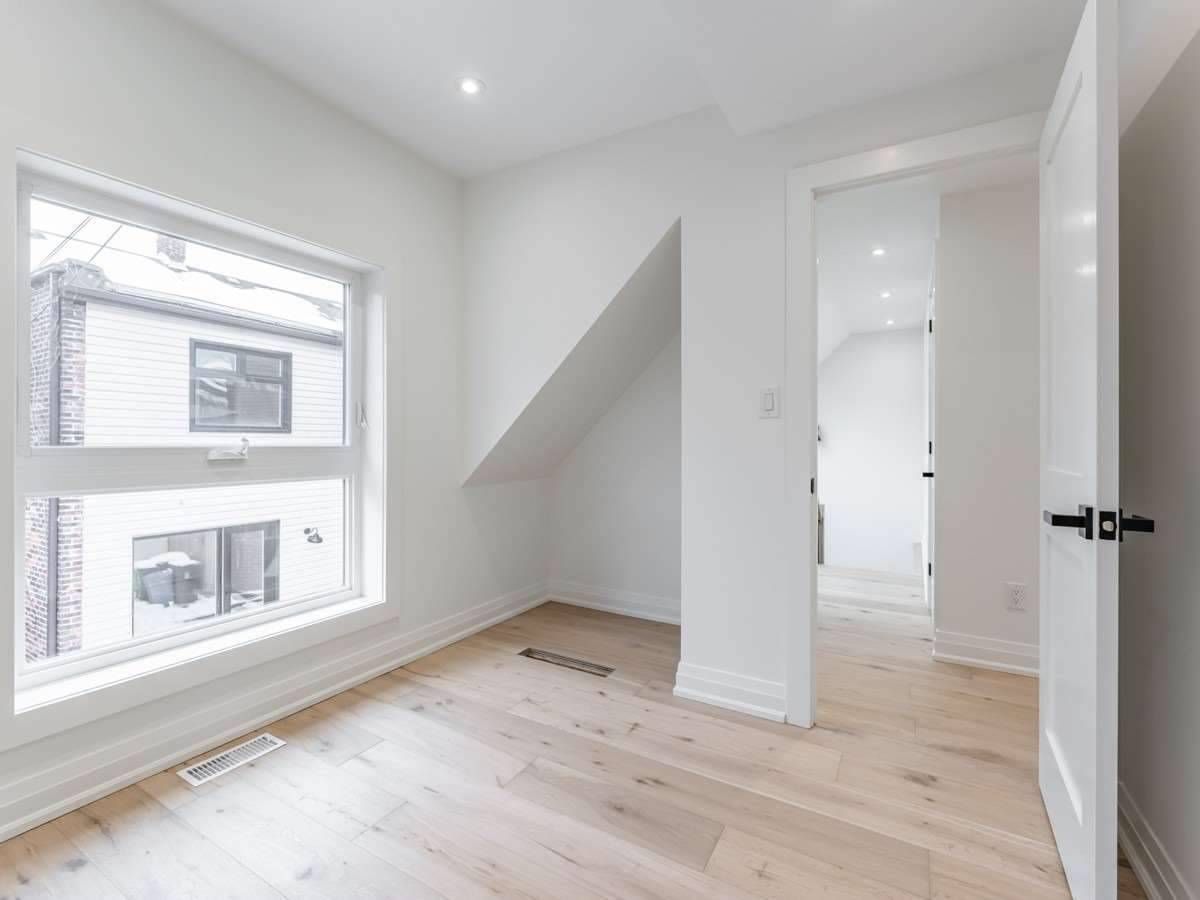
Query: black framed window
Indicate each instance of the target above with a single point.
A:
(240, 389)
(187, 576)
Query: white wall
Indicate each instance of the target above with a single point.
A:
(615, 501)
(633, 327)
(986, 441)
(549, 243)
(138, 380)
(871, 407)
(1160, 477)
(127, 90)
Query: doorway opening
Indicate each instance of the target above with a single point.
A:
(927, 446)
(887, 411)
(875, 250)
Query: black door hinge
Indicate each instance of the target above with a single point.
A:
(930, 566)
(812, 486)
(931, 326)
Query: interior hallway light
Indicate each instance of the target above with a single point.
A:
(471, 86)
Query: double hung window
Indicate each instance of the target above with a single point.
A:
(186, 462)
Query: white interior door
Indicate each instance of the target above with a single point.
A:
(1079, 270)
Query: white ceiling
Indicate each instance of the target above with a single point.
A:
(564, 72)
(771, 62)
(901, 217)
(558, 73)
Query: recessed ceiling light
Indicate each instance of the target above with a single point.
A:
(891, 322)
(878, 251)
(471, 86)
(886, 295)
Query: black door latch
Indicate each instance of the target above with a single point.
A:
(1081, 522)
(1113, 525)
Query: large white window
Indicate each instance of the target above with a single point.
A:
(190, 428)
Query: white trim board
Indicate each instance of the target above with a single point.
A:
(729, 690)
(985, 653)
(95, 773)
(623, 603)
(1158, 874)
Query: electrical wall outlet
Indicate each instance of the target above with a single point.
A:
(1015, 595)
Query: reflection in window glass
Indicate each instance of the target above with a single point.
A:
(139, 259)
(240, 389)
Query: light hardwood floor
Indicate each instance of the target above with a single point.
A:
(871, 590)
(476, 772)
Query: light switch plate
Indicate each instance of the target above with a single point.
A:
(768, 403)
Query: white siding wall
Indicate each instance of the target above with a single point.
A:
(138, 370)
(111, 522)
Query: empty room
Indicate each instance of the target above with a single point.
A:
(561, 449)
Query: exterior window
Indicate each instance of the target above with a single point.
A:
(156, 338)
(141, 338)
(240, 389)
(194, 575)
(126, 566)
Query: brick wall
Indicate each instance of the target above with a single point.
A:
(57, 334)
(72, 371)
(70, 574)
(37, 526)
(43, 315)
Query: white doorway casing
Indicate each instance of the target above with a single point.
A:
(1019, 134)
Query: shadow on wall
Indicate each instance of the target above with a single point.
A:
(634, 328)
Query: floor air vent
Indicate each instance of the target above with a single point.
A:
(228, 760)
(567, 662)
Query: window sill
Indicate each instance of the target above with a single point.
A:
(73, 700)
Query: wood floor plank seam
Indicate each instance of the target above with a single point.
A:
(475, 773)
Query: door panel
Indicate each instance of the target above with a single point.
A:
(1078, 162)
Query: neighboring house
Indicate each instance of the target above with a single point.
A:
(115, 367)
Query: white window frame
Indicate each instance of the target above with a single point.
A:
(78, 471)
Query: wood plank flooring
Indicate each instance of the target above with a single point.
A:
(865, 589)
(476, 772)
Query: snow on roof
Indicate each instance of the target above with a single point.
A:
(136, 260)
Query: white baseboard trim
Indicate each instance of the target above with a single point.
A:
(1159, 877)
(985, 653)
(95, 773)
(623, 603)
(741, 693)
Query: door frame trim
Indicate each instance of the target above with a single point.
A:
(1015, 135)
